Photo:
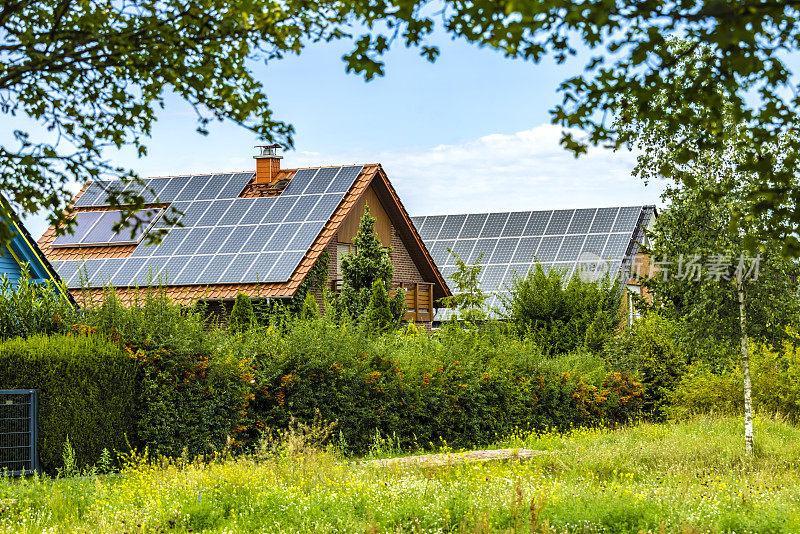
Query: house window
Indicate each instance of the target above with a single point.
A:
(341, 250)
(633, 313)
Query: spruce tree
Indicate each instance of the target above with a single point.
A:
(379, 314)
(242, 316)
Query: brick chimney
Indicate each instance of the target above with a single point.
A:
(268, 164)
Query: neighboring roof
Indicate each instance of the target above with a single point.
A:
(512, 242)
(236, 235)
(24, 251)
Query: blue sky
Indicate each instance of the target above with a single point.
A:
(468, 133)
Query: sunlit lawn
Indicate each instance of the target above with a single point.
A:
(687, 477)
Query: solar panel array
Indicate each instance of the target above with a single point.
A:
(509, 244)
(224, 239)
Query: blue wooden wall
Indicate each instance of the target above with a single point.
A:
(8, 265)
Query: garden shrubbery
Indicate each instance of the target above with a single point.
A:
(87, 392)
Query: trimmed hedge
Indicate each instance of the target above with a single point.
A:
(87, 391)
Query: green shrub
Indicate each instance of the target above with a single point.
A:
(650, 351)
(310, 307)
(87, 392)
(563, 314)
(775, 375)
(28, 308)
(242, 316)
(462, 387)
(379, 314)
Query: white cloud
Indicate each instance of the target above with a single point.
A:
(527, 170)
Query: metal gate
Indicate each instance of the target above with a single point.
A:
(18, 432)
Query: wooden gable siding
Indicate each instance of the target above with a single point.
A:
(8, 265)
(383, 225)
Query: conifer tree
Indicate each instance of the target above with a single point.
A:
(242, 316)
(379, 314)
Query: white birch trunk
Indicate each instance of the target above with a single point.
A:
(748, 403)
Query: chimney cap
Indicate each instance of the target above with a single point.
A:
(268, 151)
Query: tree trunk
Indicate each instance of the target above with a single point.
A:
(748, 403)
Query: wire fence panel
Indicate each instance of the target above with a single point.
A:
(18, 432)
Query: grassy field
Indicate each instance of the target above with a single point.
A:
(687, 477)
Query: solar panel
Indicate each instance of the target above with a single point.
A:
(325, 207)
(150, 272)
(237, 239)
(152, 189)
(94, 194)
(494, 225)
(281, 207)
(513, 242)
(214, 213)
(172, 189)
(236, 185)
(192, 242)
(304, 237)
(135, 227)
(344, 179)
(432, 227)
(84, 223)
(66, 269)
(259, 238)
(103, 231)
(240, 210)
(285, 266)
(173, 268)
(194, 185)
(190, 274)
(194, 212)
(259, 270)
(174, 213)
(169, 244)
(302, 208)
(215, 269)
(125, 275)
(216, 237)
(214, 186)
(299, 182)
(282, 237)
(238, 268)
(322, 180)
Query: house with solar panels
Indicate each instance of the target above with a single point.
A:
(21, 256)
(597, 240)
(258, 232)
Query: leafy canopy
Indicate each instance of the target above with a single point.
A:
(94, 74)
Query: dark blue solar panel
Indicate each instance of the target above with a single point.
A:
(237, 239)
(604, 220)
(439, 251)
(259, 238)
(258, 208)
(472, 228)
(216, 237)
(282, 206)
(216, 267)
(482, 246)
(494, 225)
(173, 187)
(86, 270)
(130, 231)
(285, 266)
(152, 188)
(325, 207)
(191, 273)
(240, 212)
(305, 236)
(238, 269)
(168, 245)
(515, 226)
(595, 244)
(261, 267)
(125, 275)
(559, 222)
(537, 223)
(304, 206)
(581, 222)
(215, 185)
(174, 212)
(492, 277)
(173, 268)
(322, 180)
(462, 249)
(194, 185)
(93, 196)
(452, 226)
(236, 185)
(548, 249)
(192, 242)
(627, 219)
(66, 269)
(571, 248)
(344, 179)
(85, 221)
(282, 237)
(526, 250)
(150, 273)
(504, 250)
(616, 246)
(432, 227)
(195, 211)
(299, 182)
(214, 213)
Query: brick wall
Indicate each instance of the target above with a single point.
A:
(404, 268)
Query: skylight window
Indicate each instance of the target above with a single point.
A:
(96, 228)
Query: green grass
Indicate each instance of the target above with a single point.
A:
(685, 477)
